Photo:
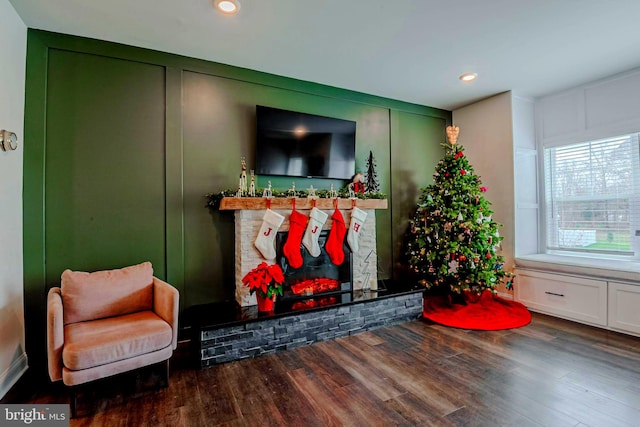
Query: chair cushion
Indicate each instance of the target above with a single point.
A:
(90, 296)
(99, 342)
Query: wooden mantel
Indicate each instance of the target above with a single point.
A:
(260, 203)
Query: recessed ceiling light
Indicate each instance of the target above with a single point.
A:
(468, 77)
(228, 7)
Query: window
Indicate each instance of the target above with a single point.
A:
(592, 194)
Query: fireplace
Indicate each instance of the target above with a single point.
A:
(318, 277)
(361, 266)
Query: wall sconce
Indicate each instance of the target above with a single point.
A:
(8, 140)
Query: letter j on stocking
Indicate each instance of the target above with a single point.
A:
(317, 218)
(265, 242)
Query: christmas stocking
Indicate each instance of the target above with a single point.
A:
(271, 221)
(317, 218)
(358, 217)
(297, 223)
(336, 238)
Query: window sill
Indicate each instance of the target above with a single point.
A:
(626, 271)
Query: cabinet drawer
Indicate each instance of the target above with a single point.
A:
(574, 298)
(624, 307)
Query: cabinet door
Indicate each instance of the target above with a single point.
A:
(624, 307)
(575, 298)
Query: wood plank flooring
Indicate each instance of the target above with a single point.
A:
(550, 373)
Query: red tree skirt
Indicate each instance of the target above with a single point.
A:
(490, 313)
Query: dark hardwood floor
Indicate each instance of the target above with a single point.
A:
(550, 373)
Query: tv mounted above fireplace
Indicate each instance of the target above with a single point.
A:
(297, 144)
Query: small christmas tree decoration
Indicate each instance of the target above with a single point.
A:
(453, 239)
(371, 179)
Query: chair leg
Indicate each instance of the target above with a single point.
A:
(166, 373)
(74, 402)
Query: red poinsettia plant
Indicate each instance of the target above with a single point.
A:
(265, 279)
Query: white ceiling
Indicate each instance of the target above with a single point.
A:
(410, 50)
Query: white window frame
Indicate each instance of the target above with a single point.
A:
(634, 214)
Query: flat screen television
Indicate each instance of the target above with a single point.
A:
(304, 145)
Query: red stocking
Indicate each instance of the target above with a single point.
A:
(336, 238)
(297, 224)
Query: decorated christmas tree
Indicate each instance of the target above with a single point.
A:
(371, 177)
(454, 239)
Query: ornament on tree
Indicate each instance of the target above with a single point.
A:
(371, 178)
(456, 252)
(453, 266)
(265, 242)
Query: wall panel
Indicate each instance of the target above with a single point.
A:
(219, 127)
(415, 151)
(104, 169)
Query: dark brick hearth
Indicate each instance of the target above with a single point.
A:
(224, 333)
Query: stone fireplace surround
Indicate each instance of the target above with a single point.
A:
(247, 257)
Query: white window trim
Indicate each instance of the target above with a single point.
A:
(576, 258)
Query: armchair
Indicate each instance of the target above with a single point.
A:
(107, 322)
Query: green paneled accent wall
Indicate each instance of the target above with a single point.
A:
(122, 144)
(415, 152)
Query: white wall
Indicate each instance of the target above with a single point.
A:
(13, 45)
(486, 132)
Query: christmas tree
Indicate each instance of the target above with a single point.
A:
(453, 240)
(371, 177)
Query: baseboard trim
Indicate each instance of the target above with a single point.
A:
(12, 374)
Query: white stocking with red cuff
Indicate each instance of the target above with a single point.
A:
(358, 217)
(317, 218)
(265, 242)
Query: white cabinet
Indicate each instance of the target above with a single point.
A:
(570, 297)
(624, 307)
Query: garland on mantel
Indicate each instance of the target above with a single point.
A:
(213, 199)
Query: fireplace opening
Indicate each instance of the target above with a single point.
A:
(318, 282)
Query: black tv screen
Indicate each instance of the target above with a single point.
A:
(304, 145)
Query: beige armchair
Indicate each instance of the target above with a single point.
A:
(104, 323)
